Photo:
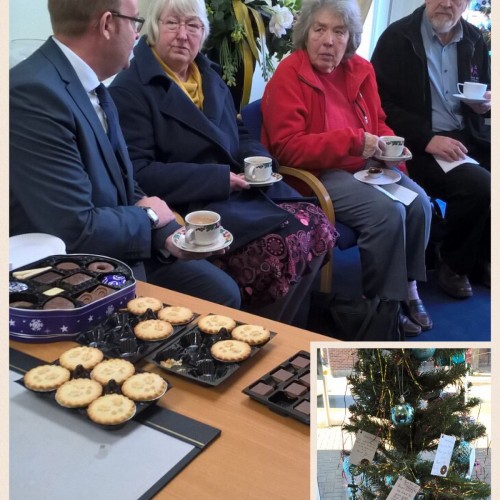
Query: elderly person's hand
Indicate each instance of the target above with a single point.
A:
(374, 146)
(481, 107)
(446, 148)
(237, 182)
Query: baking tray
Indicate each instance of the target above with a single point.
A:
(190, 352)
(116, 339)
(286, 389)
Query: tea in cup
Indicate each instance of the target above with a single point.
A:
(394, 145)
(202, 228)
(472, 90)
(258, 168)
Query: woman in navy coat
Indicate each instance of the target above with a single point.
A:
(187, 146)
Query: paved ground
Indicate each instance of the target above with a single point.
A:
(330, 440)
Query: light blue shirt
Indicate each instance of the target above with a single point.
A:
(443, 75)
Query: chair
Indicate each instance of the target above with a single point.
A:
(307, 184)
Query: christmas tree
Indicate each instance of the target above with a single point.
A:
(409, 406)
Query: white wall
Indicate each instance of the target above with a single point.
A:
(29, 19)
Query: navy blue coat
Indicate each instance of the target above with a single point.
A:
(65, 179)
(184, 155)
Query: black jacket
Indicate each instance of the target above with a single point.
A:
(401, 68)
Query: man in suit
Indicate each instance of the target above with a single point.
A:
(68, 177)
(418, 61)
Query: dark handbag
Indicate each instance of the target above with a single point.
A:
(350, 319)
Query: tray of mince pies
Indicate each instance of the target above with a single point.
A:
(211, 350)
(138, 329)
(59, 296)
(107, 391)
(286, 388)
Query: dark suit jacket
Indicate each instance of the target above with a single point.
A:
(184, 155)
(65, 179)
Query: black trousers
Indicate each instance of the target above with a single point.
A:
(466, 189)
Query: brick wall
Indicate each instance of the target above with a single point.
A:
(339, 359)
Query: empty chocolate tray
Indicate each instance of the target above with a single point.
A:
(115, 336)
(188, 355)
(286, 388)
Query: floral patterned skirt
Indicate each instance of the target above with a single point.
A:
(266, 268)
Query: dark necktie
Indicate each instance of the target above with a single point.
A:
(109, 109)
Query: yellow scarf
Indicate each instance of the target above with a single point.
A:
(192, 87)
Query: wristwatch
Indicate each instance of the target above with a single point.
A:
(153, 217)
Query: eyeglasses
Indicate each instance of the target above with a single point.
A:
(137, 21)
(173, 26)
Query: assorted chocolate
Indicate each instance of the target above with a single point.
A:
(286, 388)
(116, 337)
(59, 296)
(189, 355)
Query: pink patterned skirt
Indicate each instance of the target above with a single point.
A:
(266, 267)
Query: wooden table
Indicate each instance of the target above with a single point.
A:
(259, 454)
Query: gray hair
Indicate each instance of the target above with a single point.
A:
(347, 10)
(188, 8)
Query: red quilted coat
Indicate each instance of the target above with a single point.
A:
(295, 128)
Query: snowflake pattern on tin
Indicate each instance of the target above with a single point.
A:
(36, 325)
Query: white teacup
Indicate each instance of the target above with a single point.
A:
(202, 228)
(472, 90)
(258, 168)
(394, 145)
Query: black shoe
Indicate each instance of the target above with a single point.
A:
(456, 285)
(408, 327)
(415, 310)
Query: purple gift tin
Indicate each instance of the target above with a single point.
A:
(58, 297)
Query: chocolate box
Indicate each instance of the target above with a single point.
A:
(58, 297)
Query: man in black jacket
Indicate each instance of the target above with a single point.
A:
(418, 61)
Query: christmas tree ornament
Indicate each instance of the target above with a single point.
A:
(423, 354)
(461, 452)
(402, 414)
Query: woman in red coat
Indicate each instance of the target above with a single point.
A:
(322, 112)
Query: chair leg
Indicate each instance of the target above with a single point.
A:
(327, 276)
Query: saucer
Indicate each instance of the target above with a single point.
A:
(394, 158)
(470, 99)
(388, 177)
(274, 178)
(225, 239)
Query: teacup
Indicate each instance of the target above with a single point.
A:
(202, 228)
(394, 145)
(258, 168)
(472, 90)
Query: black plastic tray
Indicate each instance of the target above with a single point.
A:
(272, 389)
(110, 388)
(191, 349)
(115, 336)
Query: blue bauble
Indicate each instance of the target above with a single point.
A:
(402, 414)
(461, 452)
(423, 354)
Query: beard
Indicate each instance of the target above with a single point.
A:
(442, 24)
